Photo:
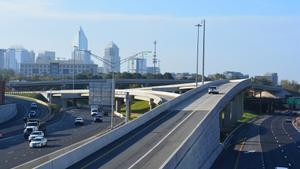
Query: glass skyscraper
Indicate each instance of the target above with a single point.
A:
(80, 45)
(111, 54)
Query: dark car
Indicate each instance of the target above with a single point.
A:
(32, 114)
(98, 118)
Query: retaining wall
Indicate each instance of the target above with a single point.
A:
(7, 112)
(203, 146)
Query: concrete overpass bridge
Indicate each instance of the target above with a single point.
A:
(181, 133)
(63, 83)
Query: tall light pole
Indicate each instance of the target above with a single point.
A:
(113, 65)
(74, 55)
(197, 59)
(203, 54)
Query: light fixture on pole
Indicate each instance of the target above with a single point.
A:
(203, 54)
(197, 58)
(113, 65)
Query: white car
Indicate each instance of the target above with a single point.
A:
(38, 142)
(79, 121)
(35, 134)
(94, 112)
(213, 90)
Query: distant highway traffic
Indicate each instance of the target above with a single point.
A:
(61, 132)
(267, 143)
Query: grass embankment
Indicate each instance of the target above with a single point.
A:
(247, 116)
(138, 107)
(33, 95)
(37, 97)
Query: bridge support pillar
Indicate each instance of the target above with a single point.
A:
(227, 113)
(128, 101)
(237, 108)
(119, 102)
(64, 103)
(151, 104)
(234, 110)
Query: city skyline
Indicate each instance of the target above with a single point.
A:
(249, 37)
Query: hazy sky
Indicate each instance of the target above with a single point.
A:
(251, 36)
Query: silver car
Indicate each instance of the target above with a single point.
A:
(35, 134)
(38, 142)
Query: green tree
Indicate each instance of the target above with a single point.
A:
(290, 85)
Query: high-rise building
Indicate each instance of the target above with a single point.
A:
(45, 57)
(153, 70)
(17, 55)
(271, 77)
(111, 55)
(80, 52)
(58, 68)
(138, 65)
(234, 75)
(2, 60)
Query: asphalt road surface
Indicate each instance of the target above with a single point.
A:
(15, 126)
(150, 145)
(269, 142)
(61, 133)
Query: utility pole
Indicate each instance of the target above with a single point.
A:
(154, 58)
(203, 23)
(197, 58)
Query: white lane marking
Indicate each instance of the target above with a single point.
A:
(141, 158)
(10, 152)
(290, 164)
(285, 156)
(250, 151)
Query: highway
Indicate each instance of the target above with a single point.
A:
(16, 125)
(150, 145)
(61, 132)
(269, 142)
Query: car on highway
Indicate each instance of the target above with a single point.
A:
(34, 124)
(35, 134)
(213, 90)
(94, 112)
(79, 121)
(38, 142)
(28, 130)
(32, 114)
(33, 105)
(98, 118)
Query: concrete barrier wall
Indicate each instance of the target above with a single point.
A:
(203, 146)
(69, 158)
(7, 112)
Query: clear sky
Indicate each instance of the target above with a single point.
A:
(251, 36)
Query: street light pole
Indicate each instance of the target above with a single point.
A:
(203, 54)
(197, 59)
(112, 65)
(112, 96)
(74, 53)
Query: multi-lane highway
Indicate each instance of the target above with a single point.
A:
(61, 132)
(269, 142)
(150, 145)
(15, 125)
